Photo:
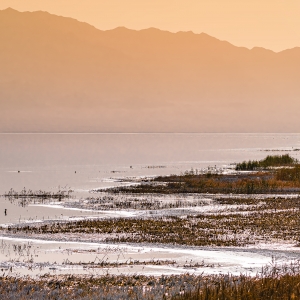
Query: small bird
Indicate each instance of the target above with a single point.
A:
(5, 211)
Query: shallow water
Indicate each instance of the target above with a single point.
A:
(49, 161)
(36, 256)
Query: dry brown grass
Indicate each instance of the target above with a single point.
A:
(274, 282)
(249, 183)
(281, 221)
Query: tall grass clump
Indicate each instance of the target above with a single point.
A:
(269, 161)
(274, 282)
(286, 287)
(289, 174)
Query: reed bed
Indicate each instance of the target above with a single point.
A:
(105, 264)
(273, 282)
(269, 161)
(26, 197)
(231, 229)
(281, 181)
(106, 287)
(29, 194)
(116, 202)
(255, 204)
(286, 287)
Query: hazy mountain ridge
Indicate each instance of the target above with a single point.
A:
(58, 74)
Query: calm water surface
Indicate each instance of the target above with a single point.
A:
(49, 161)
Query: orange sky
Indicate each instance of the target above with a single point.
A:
(273, 24)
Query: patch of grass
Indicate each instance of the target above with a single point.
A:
(279, 283)
(226, 287)
(138, 203)
(27, 194)
(108, 287)
(269, 161)
(282, 180)
(257, 183)
(26, 197)
(105, 264)
(280, 221)
(289, 174)
(261, 204)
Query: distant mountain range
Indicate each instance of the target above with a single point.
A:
(61, 75)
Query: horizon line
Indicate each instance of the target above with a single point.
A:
(136, 133)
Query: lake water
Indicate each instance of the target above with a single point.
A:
(49, 161)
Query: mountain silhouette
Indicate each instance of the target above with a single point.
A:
(61, 75)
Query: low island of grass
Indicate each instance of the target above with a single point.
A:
(284, 179)
(269, 161)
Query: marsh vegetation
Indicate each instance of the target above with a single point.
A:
(258, 203)
(285, 179)
(272, 282)
(275, 219)
(138, 202)
(38, 194)
(268, 162)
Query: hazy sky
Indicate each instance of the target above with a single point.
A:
(273, 24)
